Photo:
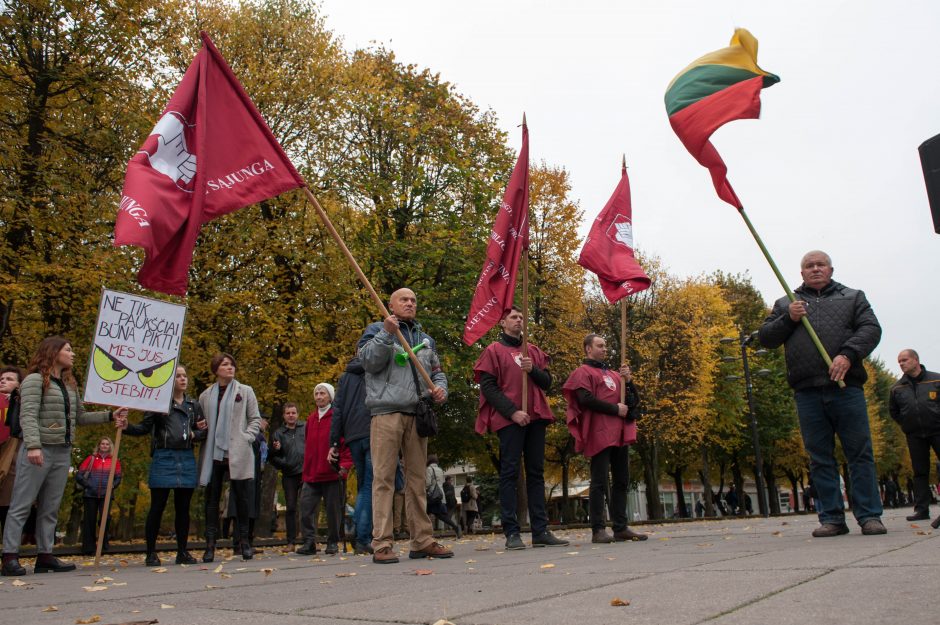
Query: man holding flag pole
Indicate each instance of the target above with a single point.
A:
(724, 86)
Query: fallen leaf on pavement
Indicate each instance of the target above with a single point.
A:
(104, 580)
(921, 533)
(18, 582)
(119, 584)
(210, 586)
(778, 533)
(664, 538)
(915, 525)
(547, 566)
(166, 606)
(225, 576)
(481, 548)
(123, 562)
(50, 608)
(345, 575)
(704, 544)
(90, 619)
(326, 581)
(267, 571)
(617, 601)
(470, 562)
(422, 572)
(217, 569)
(442, 622)
(244, 568)
(94, 588)
(571, 553)
(159, 569)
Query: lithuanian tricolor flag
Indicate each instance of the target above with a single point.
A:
(720, 87)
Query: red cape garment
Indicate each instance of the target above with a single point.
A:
(4, 426)
(594, 432)
(501, 361)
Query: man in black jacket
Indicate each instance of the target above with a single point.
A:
(849, 331)
(287, 456)
(351, 421)
(915, 405)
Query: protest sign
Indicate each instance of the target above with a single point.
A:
(135, 351)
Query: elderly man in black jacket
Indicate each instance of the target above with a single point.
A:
(287, 456)
(849, 331)
(915, 405)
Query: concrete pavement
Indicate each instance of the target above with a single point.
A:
(726, 572)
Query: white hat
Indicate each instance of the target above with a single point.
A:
(326, 387)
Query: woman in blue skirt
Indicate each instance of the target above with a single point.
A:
(173, 465)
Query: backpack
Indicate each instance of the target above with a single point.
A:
(465, 494)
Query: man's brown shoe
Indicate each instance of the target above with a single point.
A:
(873, 527)
(434, 550)
(826, 530)
(628, 534)
(385, 555)
(601, 537)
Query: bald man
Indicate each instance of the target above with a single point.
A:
(849, 331)
(392, 400)
(915, 404)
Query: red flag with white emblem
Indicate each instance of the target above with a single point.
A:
(608, 250)
(209, 154)
(510, 235)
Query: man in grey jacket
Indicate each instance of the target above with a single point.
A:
(392, 400)
(849, 331)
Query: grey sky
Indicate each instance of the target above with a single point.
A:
(832, 164)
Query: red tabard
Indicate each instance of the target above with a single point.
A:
(501, 361)
(4, 426)
(594, 431)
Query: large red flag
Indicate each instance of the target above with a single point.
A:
(210, 153)
(510, 235)
(608, 250)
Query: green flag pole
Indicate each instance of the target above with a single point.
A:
(790, 295)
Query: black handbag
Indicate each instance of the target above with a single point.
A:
(425, 418)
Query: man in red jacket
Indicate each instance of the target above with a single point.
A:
(321, 480)
(603, 427)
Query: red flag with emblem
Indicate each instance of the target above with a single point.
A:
(209, 154)
(510, 235)
(608, 250)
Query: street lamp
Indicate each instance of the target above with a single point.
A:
(744, 340)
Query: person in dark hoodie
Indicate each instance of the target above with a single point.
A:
(287, 456)
(351, 420)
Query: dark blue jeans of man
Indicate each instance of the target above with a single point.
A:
(516, 441)
(824, 413)
(362, 459)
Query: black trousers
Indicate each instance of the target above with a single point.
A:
(90, 520)
(919, 447)
(516, 441)
(158, 499)
(292, 485)
(241, 490)
(331, 493)
(612, 460)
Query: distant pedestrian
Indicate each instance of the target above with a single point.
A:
(469, 496)
(92, 477)
(434, 487)
(287, 456)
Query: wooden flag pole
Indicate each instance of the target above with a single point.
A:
(623, 348)
(525, 327)
(365, 282)
(107, 497)
(790, 295)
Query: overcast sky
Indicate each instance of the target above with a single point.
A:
(832, 163)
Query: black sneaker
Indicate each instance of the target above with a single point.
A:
(184, 557)
(827, 530)
(153, 560)
(923, 515)
(547, 539)
(514, 542)
(47, 563)
(12, 567)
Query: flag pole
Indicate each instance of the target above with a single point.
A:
(365, 282)
(623, 323)
(789, 292)
(525, 311)
(107, 497)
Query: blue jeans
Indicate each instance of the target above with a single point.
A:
(825, 412)
(362, 458)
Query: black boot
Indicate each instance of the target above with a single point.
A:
(248, 552)
(184, 557)
(209, 554)
(152, 559)
(12, 566)
(48, 563)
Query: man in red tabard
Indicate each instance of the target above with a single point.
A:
(500, 372)
(603, 428)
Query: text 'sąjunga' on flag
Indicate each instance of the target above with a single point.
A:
(209, 154)
(608, 250)
(510, 235)
(720, 87)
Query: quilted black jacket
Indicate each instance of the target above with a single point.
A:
(845, 323)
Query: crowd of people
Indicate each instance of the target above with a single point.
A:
(371, 423)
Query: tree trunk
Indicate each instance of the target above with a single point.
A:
(773, 497)
(268, 499)
(737, 477)
(74, 524)
(565, 503)
(682, 511)
(650, 456)
(706, 484)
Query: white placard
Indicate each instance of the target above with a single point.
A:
(136, 346)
